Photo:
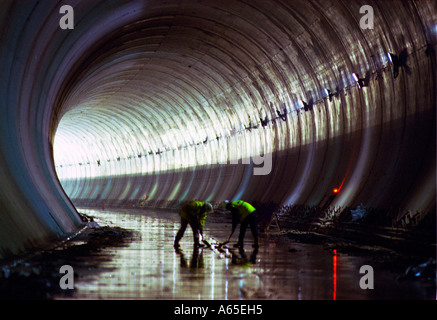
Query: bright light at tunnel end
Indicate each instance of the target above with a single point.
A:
(261, 164)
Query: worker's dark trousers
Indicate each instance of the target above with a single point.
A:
(250, 220)
(194, 226)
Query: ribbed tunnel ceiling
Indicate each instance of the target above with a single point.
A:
(177, 77)
(189, 73)
(170, 99)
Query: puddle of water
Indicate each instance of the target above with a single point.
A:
(150, 268)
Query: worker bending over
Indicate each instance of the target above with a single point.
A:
(193, 213)
(244, 213)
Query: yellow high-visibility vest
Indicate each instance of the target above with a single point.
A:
(243, 208)
(194, 211)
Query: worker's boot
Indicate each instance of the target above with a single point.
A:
(176, 240)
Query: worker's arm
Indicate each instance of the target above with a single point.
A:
(201, 221)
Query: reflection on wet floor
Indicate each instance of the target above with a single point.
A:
(150, 268)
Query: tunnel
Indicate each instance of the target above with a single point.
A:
(121, 103)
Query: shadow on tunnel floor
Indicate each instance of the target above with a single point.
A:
(39, 276)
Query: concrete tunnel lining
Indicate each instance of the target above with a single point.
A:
(157, 99)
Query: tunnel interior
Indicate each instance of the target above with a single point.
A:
(153, 103)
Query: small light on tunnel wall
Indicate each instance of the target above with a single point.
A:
(308, 106)
(329, 94)
(389, 57)
(335, 190)
(399, 61)
(362, 82)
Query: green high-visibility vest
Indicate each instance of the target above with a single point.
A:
(243, 209)
(194, 211)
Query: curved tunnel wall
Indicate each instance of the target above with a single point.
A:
(180, 100)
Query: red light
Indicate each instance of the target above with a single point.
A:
(334, 274)
(145, 196)
(335, 190)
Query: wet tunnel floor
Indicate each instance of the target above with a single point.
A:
(148, 267)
